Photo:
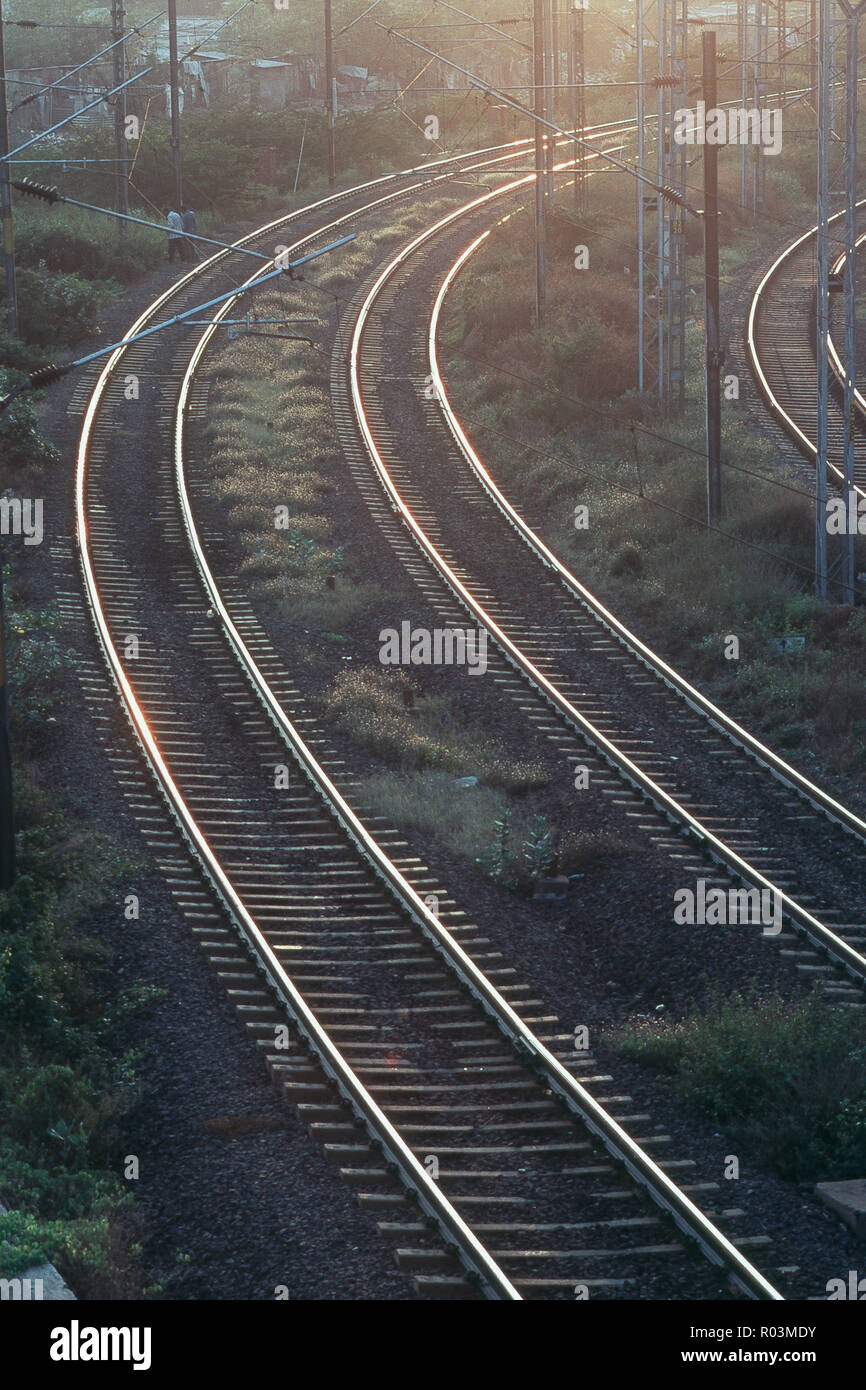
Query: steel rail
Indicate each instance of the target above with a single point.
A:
(835, 359)
(617, 1141)
(649, 658)
(806, 445)
(688, 1217)
(817, 932)
(414, 1175)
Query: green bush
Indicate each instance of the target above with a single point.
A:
(88, 246)
(788, 1080)
(56, 310)
(21, 442)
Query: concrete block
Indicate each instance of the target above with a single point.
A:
(847, 1200)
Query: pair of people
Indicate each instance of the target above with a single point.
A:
(178, 244)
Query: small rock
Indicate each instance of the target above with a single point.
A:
(550, 890)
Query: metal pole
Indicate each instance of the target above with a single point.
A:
(641, 207)
(763, 87)
(6, 198)
(51, 196)
(677, 218)
(742, 51)
(175, 105)
(782, 50)
(121, 192)
(756, 97)
(662, 136)
(660, 263)
(571, 79)
(331, 94)
(300, 156)
(813, 53)
(850, 282)
(547, 51)
(7, 821)
(581, 185)
(823, 296)
(540, 231)
(711, 279)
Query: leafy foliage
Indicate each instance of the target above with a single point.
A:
(56, 309)
(787, 1079)
(21, 442)
(63, 1083)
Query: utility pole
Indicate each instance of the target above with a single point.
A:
(121, 194)
(331, 94)
(540, 164)
(742, 51)
(175, 105)
(6, 198)
(650, 269)
(813, 53)
(577, 81)
(852, 31)
(711, 277)
(7, 820)
(547, 63)
(675, 371)
(759, 92)
(672, 77)
(641, 204)
(822, 308)
(663, 136)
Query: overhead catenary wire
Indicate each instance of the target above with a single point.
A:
(88, 62)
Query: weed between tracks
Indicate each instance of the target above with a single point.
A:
(509, 822)
(272, 452)
(371, 707)
(428, 751)
(272, 449)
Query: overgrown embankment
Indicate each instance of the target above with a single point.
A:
(786, 1079)
(66, 1079)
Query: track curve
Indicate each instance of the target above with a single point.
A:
(110, 597)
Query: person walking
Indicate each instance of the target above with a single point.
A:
(175, 238)
(190, 250)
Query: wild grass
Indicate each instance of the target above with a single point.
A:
(370, 706)
(271, 442)
(428, 800)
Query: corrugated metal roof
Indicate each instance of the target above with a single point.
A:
(191, 30)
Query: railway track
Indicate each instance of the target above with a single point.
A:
(668, 748)
(411, 1047)
(780, 346)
